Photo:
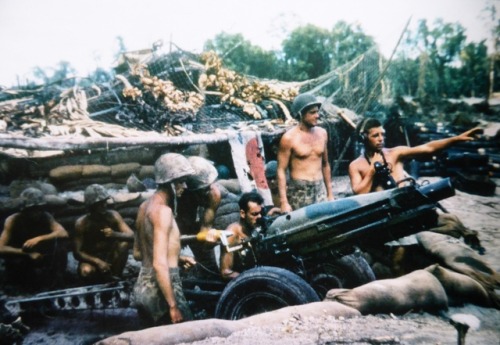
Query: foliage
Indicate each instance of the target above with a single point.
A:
(243, 57)
(436, 62)
(307, 53)
(348, 42)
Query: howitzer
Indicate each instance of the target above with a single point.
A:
(361, 220)
(305, 253)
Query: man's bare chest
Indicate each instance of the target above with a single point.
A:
(308, 146)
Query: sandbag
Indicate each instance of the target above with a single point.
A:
(66, 173)
(127, 199)
(55, 201)
(232, 185)
(16, 187)
(146, 171)
(186, 332)
(416, 291)
(456, 255)
(462, 289)
(192, 331)
(315, 309)
(95, 170)
(124, 170)
(82, 183)
(449, 224)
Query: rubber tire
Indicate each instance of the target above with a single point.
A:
(263, 289)
(346, 272)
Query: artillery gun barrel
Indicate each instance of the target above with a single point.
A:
(360, 220)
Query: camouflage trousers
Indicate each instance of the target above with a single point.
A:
(150, 301)
(301, 193)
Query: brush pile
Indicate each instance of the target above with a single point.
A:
(171, 94)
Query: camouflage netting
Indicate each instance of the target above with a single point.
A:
(180, 92)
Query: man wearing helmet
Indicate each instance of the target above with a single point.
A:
(30, 243)
(303, 150)
(196, 211)
(158, 291)
(102, 238)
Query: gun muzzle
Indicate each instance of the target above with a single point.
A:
(439, 190)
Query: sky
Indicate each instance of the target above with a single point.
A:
(84, 32)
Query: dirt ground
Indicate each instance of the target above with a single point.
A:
(476, 212)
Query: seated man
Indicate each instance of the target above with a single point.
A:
(31, 243)
(101, 238)
(231, 263)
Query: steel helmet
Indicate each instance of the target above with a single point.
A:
(303, 101)
(171, 166)
(204, 173)
(33, 197)
(95, 193)
(271, 169)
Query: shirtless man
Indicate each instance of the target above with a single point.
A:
(363, 172)
(158, 291)
(31, 243)
(102, 238)
(231, 263)
(196, 212)
(365, 179)
(303, 150)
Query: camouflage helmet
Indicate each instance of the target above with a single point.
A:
(171, 166)
(33, 197)
(204, 173)
(301, 102)
(95, 193)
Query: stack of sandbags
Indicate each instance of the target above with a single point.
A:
(14, 203)
(76, 177)
(229, 210)
(459, 257)
(124, 202)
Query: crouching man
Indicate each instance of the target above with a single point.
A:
(102, 239)
(33, 243)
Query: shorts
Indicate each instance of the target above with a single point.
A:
(150, 301)
(301, 193)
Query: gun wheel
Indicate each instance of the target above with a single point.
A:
(263, 289)
(347, 272)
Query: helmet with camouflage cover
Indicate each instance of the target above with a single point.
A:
(204, 173)
(33, 197)
(301, 102)
(95, 193)
(171, 166)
